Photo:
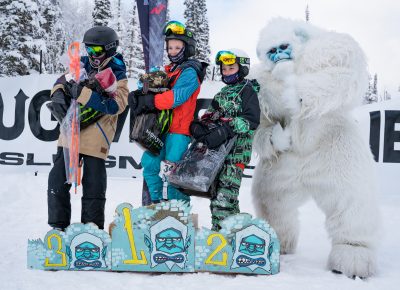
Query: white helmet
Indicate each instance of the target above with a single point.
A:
(242, 58)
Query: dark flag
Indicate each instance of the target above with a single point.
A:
(152, 17)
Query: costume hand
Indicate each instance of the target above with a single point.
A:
(281, 138)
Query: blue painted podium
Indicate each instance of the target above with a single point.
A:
(160, 238)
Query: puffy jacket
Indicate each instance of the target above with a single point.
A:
(96, 139)
(185, 81)
(239, 103)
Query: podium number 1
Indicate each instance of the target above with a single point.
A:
(128, 227)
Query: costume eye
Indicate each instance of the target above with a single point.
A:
(284, 46)
(272, 50)
(79, 250)
(161, 239)
(94, 250)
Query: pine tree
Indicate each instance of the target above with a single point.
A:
(307, 14)
(77, 19)
(371, 96)
(119, 18)
(20, 37)
(195, 15)
(120, 26)
(102, 13)
(54, 36)
(375, 85)
(386, 96)
(134, 57)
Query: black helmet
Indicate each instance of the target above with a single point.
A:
(190, 42)
(104, 36)
(182, 34)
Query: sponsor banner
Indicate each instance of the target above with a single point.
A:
(28, 132)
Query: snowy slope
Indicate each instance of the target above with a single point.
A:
(23, 212)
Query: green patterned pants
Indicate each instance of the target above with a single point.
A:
(226, 202)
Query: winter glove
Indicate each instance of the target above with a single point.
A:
(198, 130)
(59, 104)
(73, 89)
(145, 103)
(218, 136)
(133, 100)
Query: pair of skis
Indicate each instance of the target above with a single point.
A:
(152, 18)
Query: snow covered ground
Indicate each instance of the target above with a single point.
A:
(23, 213)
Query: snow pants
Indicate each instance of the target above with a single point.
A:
(94, 185)
(174, 147)
(226, 202)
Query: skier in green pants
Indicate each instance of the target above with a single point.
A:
(236, 105)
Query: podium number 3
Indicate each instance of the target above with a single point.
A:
(58, 251)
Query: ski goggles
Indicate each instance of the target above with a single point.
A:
(174, 27)
(229, 58)
(95, 50)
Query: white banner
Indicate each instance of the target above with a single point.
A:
(26, 126)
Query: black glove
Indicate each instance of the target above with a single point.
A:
(59, 105)
(145, 103)
(198, 130)
(73, 89)
(218, 136)
(133, 100)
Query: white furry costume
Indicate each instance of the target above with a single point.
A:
(309, 145)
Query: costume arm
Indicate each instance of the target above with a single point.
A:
(333, 75)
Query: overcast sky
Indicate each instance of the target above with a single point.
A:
(375, 24)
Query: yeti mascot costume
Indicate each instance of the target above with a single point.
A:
(309, 145)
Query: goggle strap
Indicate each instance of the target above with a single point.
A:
(110, 45)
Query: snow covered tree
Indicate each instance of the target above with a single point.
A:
(371, 96)
(101, 13)
(307, 14)
(118, 22)
(386, 96)
(119, 18)
(77, 18)
(375, 85)
(53, 25)
(134, 58)
(20, 37)
(195, 15)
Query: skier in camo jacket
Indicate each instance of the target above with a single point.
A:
(237, 106)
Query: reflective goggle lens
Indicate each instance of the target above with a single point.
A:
(174, 27)
(225, 57)
(94, 50)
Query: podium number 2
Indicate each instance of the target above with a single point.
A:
(58, 251)
(218, 249)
